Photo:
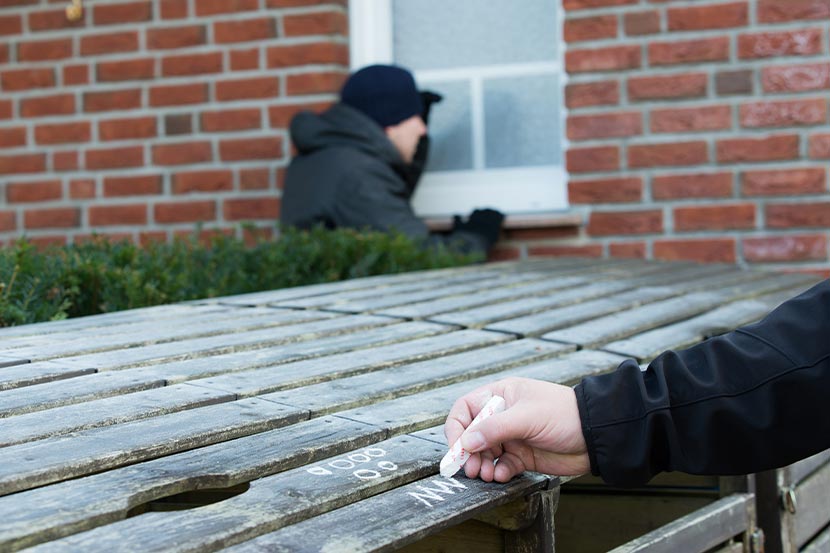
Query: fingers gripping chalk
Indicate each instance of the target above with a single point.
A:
(457, 455)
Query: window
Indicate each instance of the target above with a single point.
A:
(497, 137)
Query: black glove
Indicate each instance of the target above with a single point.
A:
(484, 222)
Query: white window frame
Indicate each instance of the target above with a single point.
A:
(532, 189)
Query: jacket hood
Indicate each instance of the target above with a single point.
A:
(342, 126)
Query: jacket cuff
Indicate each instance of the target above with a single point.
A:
(585, 419)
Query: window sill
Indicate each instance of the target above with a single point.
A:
(519, 221)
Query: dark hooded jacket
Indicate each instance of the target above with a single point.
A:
(349, 174)
(750, 400)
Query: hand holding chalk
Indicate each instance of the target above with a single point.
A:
(457, 455)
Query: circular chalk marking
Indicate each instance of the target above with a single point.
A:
(366, 474)
(375, 452)
(359, 458)
(342, 464)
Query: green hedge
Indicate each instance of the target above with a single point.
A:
(102, 276)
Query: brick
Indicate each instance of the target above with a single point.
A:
(540, 233)
(280, 116)
(251, 148)
(813, 214)
(25, 79)
(240, 209)
(116, 100)
(246, 89)
(82, 189)
(295, 55)
(11, 25)
(641, 23)
(134, 185)
(231, 120)
(59, 104)
(173, 9)
(716, 16)
(297, 3)
(115, 158)
(772, 148)
(22, 163)
(216, 7)
(734, 82)
(709, 250)
(178, 94)
(784, 182)
(155, 237)
(13, 137)
(775, 11)
(44, 50)
(51, 20)
(613, 58)
(129, 12)
(75, 75)
(59, 217)
(8, 221)
(317, 23)
(582, 95)
(176, 37)
(820, 146)
(202, 181)
(65, 161)
(5, 56)
(109, 43)
(254, 235)
(689, 51)
(254, 179)
(784, 114)
(661, 155)
(585, 250)
(315, 83)
(625, 222)
(606, 125)
(597, 158)
(796, 78)
(590, 28)
(191, 64)
(715, 217)
(63, 133)
(44, 242)
(177, 124)
(599, 191)
(691, 85)
(127, 129)
(6, 109)
(117, 215)
(588, 4)
(261, 28)
(182, 154)
(125, 70)
(40, 191)
(799, 42)
(708, 118)
(773, 249)
(627, 250)
(184, 212)
(695, 185)
(244, 60)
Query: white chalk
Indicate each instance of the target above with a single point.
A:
(457, 455)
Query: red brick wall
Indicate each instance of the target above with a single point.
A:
(698, 130)
(149, 116)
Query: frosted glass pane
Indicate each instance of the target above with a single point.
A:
(450, 127)
(440, 34)
(522, 122)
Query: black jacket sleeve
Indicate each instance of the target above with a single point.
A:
(750, 400)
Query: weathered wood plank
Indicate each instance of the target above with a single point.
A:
(34, 464)
(18, 376)
(35, 516)
(346, 393)
(795, 473)
(819, 544)
(11, 361)
(106, 412)
(698, 531)
(303, 373)
(225, 343)
(813, 511)
(396, 518)
(554, 318)
(270, 503)
(423, 410)
(613, 327)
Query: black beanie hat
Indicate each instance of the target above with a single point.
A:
(386, 93)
